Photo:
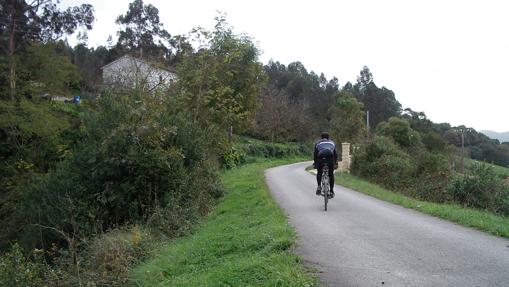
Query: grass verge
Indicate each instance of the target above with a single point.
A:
(245, 241)
(482, 220)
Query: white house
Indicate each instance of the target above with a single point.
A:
(130, 72)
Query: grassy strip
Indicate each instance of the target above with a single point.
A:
(245, 241)
(482, 220)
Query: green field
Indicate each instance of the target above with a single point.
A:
(503, 171)
(478, 219)
(245, 241)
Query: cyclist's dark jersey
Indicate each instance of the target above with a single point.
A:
(325, 150)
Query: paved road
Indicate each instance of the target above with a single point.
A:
(362, 241)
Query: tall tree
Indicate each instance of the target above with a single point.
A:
(279, 119)
(347, 118)
(305, 88)
(36, 20)
(365, 78)
(47, 68)
(89, 62)
(220, 82)
(431, 136)
(380, 102)
(143, 31)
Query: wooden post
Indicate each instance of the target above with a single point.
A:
(230, 134)
(463, 152)
(367, 126)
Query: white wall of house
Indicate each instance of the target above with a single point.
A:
(130, 72)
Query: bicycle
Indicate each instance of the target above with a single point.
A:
(325, 185)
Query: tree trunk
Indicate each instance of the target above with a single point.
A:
(12, 78)
(12, 63)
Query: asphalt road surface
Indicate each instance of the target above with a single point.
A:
(363, 241)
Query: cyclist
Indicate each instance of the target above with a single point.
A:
(325, 153)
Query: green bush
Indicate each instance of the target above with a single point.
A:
(136, 158)
(427, 176)
(246, 149)
(414, 172)
(104, 261)
(480, 187)
(257, 148)
(383, 162)
(432, 176)
(401, 132)
(18, 270)
(34, 137)
(109, 257)
(232, 157)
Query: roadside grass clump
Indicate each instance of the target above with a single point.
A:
(105, 260)
(481, 187)
(245, 241)
(110, 256)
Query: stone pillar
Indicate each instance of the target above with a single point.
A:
(345, 157)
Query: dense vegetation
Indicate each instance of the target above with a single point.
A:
(84, 188)
(399, 158)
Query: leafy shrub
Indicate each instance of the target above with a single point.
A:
(257, 148)
(432, 175)
(401, 132)
(415, 172)
(18, 270)
(480, 187)
(109, 257)
(30, 132)
(419, 173)
(382, 161)
(232, 157)
(135, 158)
(105, 261)
(434, 142)
(33, 139)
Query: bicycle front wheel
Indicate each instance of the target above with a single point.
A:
(326, 200)
(325, 190)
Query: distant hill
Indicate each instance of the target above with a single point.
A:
(502, 137)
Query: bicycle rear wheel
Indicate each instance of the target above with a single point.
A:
(325, 186)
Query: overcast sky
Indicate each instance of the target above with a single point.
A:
(449, 59)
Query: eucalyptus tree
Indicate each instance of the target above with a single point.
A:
(142, 31)
(380, 102)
